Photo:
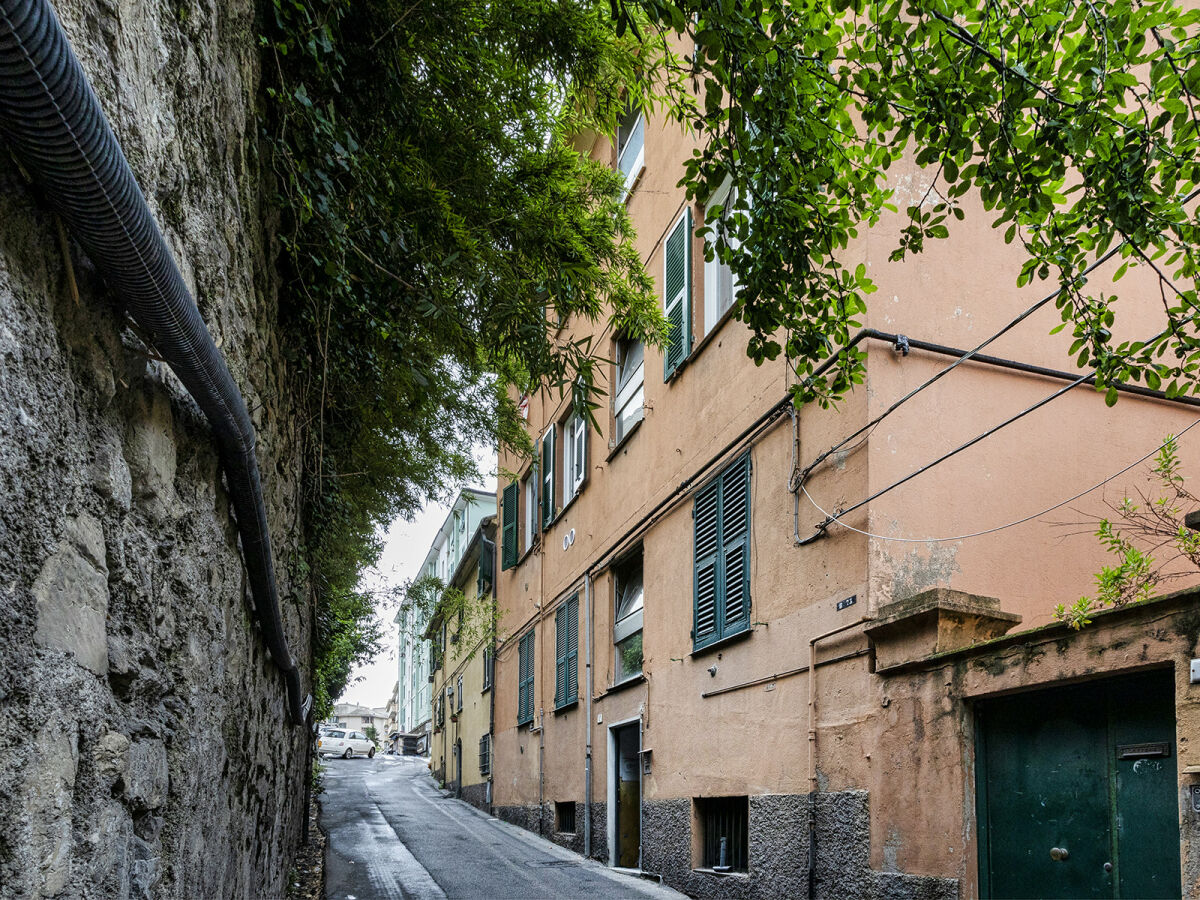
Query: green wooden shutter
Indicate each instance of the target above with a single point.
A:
(525, 679)
(560, 655)
(735, 547)
(548, 478)
(706, 513)
(510, 505)
(721, 513)
(572, 650)
(677, 293)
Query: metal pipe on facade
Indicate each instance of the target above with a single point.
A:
(812, 748)
(587, 713)
(54, 126)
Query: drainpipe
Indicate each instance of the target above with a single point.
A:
(587, 712)
(54, 126)
(812, 749)
(541, 768)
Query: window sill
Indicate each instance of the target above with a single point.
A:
(632, 681)
(723, 642)
(566, 707)
(731, 873)
(712, 332)
(620, 445)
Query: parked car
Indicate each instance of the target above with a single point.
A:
(340, 742)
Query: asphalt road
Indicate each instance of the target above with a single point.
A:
(392, 833)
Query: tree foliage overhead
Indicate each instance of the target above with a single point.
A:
(434, 216)
(1077, 124)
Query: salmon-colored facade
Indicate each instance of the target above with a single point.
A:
(729, 764)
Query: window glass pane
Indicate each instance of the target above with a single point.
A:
(629, 364)
(630, 600)
(629, 657)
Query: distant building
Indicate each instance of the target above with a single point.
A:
(463, 653)
(414, 694)
(359, 718)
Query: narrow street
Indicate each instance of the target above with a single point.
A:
(392, 833)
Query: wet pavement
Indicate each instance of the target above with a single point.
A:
(392, 833)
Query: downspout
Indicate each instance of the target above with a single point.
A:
(812, 749)
(55, 128)
(587, 721)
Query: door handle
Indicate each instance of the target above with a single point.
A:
(1059, 854)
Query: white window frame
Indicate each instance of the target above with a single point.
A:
(530, 519)
(630, 393)
(574, 456)
(714, 269)
(631, 151)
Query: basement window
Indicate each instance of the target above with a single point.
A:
(722, 824)
(564, 817)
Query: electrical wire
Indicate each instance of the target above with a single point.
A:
(836, 517)
(1083, 273)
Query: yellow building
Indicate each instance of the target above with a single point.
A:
(463, 653)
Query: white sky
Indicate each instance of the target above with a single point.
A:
(404, 551)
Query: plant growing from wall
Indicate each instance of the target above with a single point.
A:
(1137, 523)
(434, 216)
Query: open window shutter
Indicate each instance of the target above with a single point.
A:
(548, 478)
(706, 513)
(560, 656)
(677, 293)
(572, 662)
(535, 499)
(735, 546)
(510, 502)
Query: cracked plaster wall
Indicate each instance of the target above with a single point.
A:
(148, 749)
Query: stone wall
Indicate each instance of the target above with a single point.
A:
(147, 747)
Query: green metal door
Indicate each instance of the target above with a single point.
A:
(1076, 791)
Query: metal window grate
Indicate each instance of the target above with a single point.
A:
(564, 817)
(485, 755)
(725, 818)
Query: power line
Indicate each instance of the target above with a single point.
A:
(1083, 273)
(836, 517)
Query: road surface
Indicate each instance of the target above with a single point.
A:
(392, 833)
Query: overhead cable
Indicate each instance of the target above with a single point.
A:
(836, 517)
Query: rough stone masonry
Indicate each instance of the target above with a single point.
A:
(145, 744)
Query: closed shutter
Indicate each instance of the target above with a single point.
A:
(487, 567)
(510, 501)
(572, 650)
(525, 674)
(548, 478)
(560, 656)
(735, 544)
(677, 294)
(706, 516)
(721, 514)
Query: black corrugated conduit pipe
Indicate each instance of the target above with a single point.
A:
(53, 124)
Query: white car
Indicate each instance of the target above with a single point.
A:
(344, 743)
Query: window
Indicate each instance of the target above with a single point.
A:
(629, 397)
(677, 293)
(460, 693)
(450, 698)
(627, 632)
(508, 515)
(631, 146)
(485, 755)
(531, 506)
(574, 456)
(548, 478)
(525, 673)
(721, 516)
(489, 667)
(566, 646)
(564, 817)
(722, 822)
(720, 285)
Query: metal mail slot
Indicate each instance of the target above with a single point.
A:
(1153, 750)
